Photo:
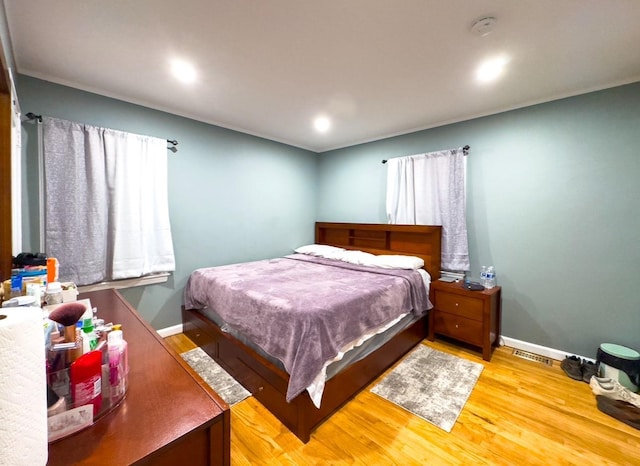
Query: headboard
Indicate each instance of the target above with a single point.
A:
(378, 238)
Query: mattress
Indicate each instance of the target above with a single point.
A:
(352, 353)
(305, 313)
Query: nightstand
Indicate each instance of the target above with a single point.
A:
(469, 316)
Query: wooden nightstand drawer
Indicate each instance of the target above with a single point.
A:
(460, 305)
(470, 316)
(460, 328)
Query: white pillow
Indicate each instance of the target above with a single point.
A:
(398, 262)
(321, 250)
(358, 257)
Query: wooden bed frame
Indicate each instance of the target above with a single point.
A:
(268, 383)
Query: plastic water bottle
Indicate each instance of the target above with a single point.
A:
(483, 276)
(490, 277)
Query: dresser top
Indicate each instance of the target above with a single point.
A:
(165, 399)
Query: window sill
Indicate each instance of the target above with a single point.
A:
(127, 283)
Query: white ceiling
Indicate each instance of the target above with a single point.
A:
(377, 68)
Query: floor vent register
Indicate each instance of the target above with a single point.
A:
(533, 357)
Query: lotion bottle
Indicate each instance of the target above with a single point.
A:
(118, 365)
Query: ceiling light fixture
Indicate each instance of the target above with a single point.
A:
(491, 69)
(322, 124)
(183, 71)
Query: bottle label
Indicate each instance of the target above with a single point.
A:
(86, 391)
(114, 373)
(117, 380)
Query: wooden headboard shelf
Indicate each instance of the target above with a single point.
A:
(411, 240)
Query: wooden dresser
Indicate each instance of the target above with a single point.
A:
(169, 415)
(469, 316)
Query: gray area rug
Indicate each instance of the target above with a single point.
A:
(431, 384)
(217, 378)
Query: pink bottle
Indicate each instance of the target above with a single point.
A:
(118, 365)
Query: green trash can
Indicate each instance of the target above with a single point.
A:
(620, 363)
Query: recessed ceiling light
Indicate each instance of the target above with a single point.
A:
(322, 124)
(183, 71)
(491, 69)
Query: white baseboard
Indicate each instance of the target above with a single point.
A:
(552, 353)
(168, 331)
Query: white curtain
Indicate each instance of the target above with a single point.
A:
(429, 189)
(107, 212)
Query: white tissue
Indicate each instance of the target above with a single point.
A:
(23, 388)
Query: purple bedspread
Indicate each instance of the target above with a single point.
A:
(302, 310)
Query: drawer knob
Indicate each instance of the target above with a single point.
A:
(457, 304)
(456, 325)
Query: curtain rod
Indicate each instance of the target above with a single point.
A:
(465, 151)
(32, 116)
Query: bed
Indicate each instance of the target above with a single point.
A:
(270, 380)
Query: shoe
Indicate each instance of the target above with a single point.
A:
(589, 369)
(621, 410)
(572, 366)
(612, 389)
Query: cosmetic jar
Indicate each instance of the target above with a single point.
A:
(53, 295)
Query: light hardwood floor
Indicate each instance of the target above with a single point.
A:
(520, 412)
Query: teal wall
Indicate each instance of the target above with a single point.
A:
(553, 204)
(232, 197)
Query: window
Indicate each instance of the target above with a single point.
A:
(105, 203)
